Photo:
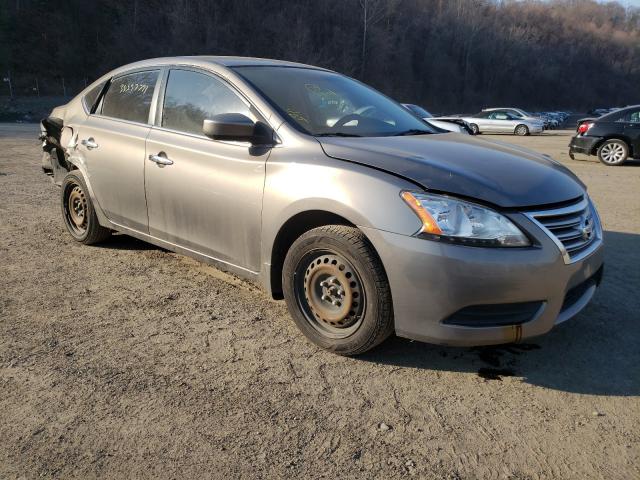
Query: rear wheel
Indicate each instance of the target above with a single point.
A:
(613, 152)
(337, 291)
(522, 130)
(77, 210)
(474, 128)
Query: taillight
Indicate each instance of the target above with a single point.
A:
(584, 127)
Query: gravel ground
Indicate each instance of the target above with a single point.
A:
(127, 361)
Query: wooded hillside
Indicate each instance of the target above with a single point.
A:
(448, 55)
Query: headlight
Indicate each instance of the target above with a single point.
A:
(449, 219)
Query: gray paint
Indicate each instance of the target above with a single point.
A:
(225, 202)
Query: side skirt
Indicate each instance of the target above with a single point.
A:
(241, 272)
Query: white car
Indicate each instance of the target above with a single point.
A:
(451, 125)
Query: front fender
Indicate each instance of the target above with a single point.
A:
(364, 196)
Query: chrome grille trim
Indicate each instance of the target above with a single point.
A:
(568, 227)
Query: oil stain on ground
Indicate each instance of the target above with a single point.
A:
(494, 356)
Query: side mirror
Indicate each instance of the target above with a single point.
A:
(229, 126)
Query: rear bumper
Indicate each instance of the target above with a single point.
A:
(437, 287)
(583, 145)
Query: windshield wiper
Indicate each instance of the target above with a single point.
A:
(336, 134)
(413, 131)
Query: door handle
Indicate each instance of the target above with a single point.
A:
(90, 143)
(160, 159)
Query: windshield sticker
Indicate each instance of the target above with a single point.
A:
(297, 116)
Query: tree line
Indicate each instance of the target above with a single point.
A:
(447, 55)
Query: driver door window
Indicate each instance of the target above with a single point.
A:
(192, 97)
(631, 117)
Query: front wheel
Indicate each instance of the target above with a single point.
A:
(522, 130)
(78, 213)
(337, 291)
(613, 152)
(474, 129)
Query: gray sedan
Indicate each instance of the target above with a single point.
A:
(330, 195)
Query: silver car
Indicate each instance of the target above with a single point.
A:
(331, 195)
(501, 121)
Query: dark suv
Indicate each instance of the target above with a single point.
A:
(614, 137)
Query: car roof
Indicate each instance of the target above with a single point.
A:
(617, 112)
(223, 61)
(499, 108)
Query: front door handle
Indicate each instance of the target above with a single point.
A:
(160, 159)
(90, 143)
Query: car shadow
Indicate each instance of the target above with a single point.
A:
(594, 353)
(593, 159)
(120, 241)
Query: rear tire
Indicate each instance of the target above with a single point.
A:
(474, 128)
(613, 152)
(522, 130)
(78, 213)
(337, 291)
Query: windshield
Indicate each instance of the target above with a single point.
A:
(324, 103)
(421, 112)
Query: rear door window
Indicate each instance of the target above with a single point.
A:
(632, 116)
(192, 97)
(129, 96)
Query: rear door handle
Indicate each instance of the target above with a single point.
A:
(160, 159)
(90, 143)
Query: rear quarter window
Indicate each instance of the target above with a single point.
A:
(129, 96)
(89, 100)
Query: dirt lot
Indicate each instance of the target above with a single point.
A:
(126, 361)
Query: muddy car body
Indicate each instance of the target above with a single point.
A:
(329, 194)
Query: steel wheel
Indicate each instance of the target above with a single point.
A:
(613, 153)
(76, 209)
(329, 292)
(78, 213)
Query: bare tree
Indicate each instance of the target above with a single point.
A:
(373, 11)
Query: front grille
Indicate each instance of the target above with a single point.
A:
(498, 315)
(575, 229)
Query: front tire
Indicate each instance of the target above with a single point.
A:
(522, 130)
(78, 213)
(337, 291)
(474, 128)
(613, 152)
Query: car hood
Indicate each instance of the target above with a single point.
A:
(490, 171)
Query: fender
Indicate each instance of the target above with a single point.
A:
(318, 184)
(78, 164)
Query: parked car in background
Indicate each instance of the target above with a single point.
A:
(517, 113)
(501, 122)
(456, 125)
(614, 137)
(550, 123)
(366, 225)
